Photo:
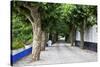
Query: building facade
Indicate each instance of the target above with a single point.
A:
(90, 38)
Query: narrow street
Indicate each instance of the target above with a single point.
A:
(59, 53)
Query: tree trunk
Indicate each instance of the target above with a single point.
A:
(72, 35)
(34, 18)
(50, 36)
(36, 48)
(47, 38)
(36, 42)
(82, 39)
(66, 37)
(74, 38)
(82, 36)
(56, 37)
(43, 41)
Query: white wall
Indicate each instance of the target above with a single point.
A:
(90, 35)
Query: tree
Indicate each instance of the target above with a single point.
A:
(49, 19)
(83, 13)
(31, 11)
(69, 19)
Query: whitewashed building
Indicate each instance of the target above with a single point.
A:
(90, 38)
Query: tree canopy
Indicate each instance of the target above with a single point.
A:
(55, 18)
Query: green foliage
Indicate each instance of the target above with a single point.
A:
(29, 41)
(55, 18)
(16, 44)
(21, 31)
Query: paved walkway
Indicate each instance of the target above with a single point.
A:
(60, 53)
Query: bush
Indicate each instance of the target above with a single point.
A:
(21, 31)
(29, 41)
(17, 44)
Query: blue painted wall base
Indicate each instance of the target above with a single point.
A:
(16, 57)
